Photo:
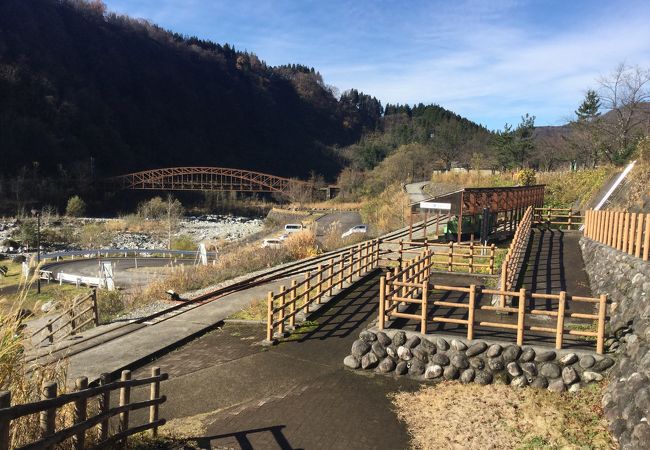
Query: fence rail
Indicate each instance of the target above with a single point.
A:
(81, 397)
(513, 260)
(82, 313)
(285, 305)
(411, 285)
(624, 231)
(558, 217)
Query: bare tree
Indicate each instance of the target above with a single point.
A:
(625, 92)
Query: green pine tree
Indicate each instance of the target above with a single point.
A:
(588, 110)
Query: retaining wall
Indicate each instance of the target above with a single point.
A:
(626, 280)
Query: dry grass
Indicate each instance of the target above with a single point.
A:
(333, 205)
(455, 416)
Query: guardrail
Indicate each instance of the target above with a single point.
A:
(450, 255)
(410, 285)
(81, 423)
(285, 305)
(558, 217)
(82, 312)
(120, 252)
(624, 231)
(513, 261)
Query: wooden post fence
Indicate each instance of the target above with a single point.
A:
(624, 231)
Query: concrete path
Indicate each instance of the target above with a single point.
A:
(416, 193)
(229, 393)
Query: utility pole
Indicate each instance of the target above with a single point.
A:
(37, 213)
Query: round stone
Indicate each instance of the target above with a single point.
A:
(379, 349)
(428, 346)
(550, 370)
(603, 364)
(496, 364)
(442, 344)
(545, 356)
(460, 361)
(368, 336)
(574, 387)
(557, 386)
(483, 378)
(569, 375)
(412, 342)
(352, 362)
(433, 371)
(494, 350)
(392, 351)
(386, 365)
(450, 373)
(527, 355)
(457, 345)
(520, 381)
(420, 353)
(539, 382)
(476, 349)
(467, 376)
(511, 353)
(587, 361)
(369, 361)
(416, 367)
(588, 376)
(360, 348)
(529, 368)
(440, 358)
(384, 339)
(477, 363)
(501, 378)
(399, 338)
(513, 369)
(568, 359)
(404, 353)
(401, 368)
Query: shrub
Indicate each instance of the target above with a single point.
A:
(301, 245)
(183, 242)
(526, 177)
(76, 207)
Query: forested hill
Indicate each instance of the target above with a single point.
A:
(78, 82)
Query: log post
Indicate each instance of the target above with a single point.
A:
(423, 320)
(292, 306)
(269, 316)
(471, 257)
(450, 257)
(330, 277)
(646, 240)
(125, 399)
(602, 312)
(619, 234)
(492, 252)
(80, 414)
(470, 312)
(47, 419)
(154, 393)
(630, 247)
(104, 406)
(382, 304)
(307, 291)
(5, 402)
(570, 217)
(626, 231)
(319, 284)
(95, 309)
(559, 329)
(521, 312)
(283, 302)
(639, 236)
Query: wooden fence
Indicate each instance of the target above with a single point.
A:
(82, 313)
(624, 231)
(513, 261)
(445, 256)
(410, 285)
(568, 218)
(82, 397)
(318, 284)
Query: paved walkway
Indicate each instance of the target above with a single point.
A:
(229, 393)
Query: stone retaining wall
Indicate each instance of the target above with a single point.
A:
(435, 358)
(626, 280)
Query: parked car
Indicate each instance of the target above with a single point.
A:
(282, 237)
(293, 227)
(272, 243)
(355, 229)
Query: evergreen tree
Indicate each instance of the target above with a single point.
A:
(588, 110)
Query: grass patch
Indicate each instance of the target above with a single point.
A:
(452, 415)
(28, 298)
(256, 310)
(13, 273)
(301, 331)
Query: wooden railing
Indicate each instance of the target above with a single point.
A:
(513, 261)
(624, 231)
(558, 217)
(283, 306)
(444, 256)
(82, 423)
(411, 286)
(82, 313)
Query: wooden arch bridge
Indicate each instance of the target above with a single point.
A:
(206, 179)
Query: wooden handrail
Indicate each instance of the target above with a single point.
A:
(624, 231)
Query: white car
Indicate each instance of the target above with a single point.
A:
(293, 227)
(272, 243)
(355, 229)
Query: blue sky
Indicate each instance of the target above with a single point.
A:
(490, 61)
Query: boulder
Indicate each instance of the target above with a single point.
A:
(467, 376)
(501, 378)
(511, 353)
(496, 364)
(386, 365)
(401, 368)
(527, 355)
(442, 344)
(412, 342)
(513, 369)
(520, 381)
(384, 339)
(369, 361)
(568, 359)
(603, 364)
(457, 345)
(450, 373)
(368, 336)
(550, 370)
(459, 360)
(545, 356)
(476, 349)
(539, 382)
(569, 375)
(440, 358)
(416, 367)
(433, 371)
(589, 376)
(399, 338)
(494, 350)
(404, 353)
(477, 363)
(392, 351)
(420, 353)
(483, 378)
(557, 386)
(360, 348)
(352, 362)
(379, 350)
(574, 388)
(428, 346)
(529, 368)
